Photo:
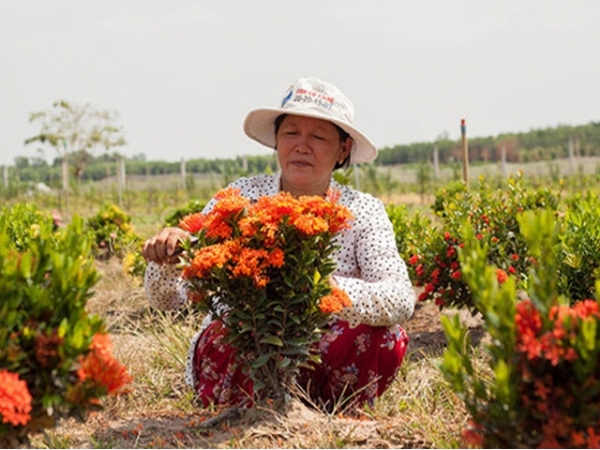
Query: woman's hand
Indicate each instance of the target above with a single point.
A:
(164, 247)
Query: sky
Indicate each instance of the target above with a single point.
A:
(182, 75)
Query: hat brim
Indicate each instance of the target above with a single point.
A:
(260, 126)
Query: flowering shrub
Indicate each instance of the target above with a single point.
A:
(402, 225)
(263, 269)
(492, 215)
(541, 389)
(112, 231)
(55, 360)
(114, 235)
(191, 207)
(579, 247)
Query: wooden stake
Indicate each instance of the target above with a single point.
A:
(183, 173)
(465, 151)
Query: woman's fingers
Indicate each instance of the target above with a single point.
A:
(163, 247)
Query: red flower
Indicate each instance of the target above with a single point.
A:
(15, 399)
(99, 366)
(414, 259)
(473, 436)
(419, 270)
(335, 302)
(193, 223)
(456, 275)
(501, 276)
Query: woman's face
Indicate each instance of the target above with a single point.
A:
(308, 150)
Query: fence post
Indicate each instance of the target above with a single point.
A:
(183, 175)
(120, 172)
(572, 156)
(436, 161)
(503, 160)
(465, 151)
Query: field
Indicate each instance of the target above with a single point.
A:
(418, 411)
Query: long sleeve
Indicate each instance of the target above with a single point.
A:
(164, 286)
(370, 269)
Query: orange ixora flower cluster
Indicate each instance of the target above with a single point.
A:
(558, 366)
(263, 268)
(555, 344)
(248, 239)
(335, 302)
(99, 373)
(15, 399)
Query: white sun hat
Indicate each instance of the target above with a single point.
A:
(311, 97)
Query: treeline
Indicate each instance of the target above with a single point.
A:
(536, 145)
(106, 166)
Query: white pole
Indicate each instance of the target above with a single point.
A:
(572, 155)
(120, 178)
(65, 174)
(465, 151)
(182, 169)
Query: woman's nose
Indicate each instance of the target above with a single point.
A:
(303, 142)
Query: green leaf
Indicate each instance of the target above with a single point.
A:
(271, 339)
(283, 363)
(25, 265)
(260, 361)
(317, 277)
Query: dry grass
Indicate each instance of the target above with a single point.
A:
(418, 411)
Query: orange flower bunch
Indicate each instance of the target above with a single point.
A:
(554, 344)
(247, 239)
(263, 268)
(99, 371)
(558, 366)
(15, 399)
(334, 302)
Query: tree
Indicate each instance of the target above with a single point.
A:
(75, 132)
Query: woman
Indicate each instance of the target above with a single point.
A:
(313, 135)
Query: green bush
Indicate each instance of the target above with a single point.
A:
(114, 235)
(55, 359)
(192, 206)
(399, 217)
(540, 388)
(432, 253)
(112, 232)
(579, 249)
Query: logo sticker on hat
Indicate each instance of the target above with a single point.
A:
(315, 98)
(286, 98)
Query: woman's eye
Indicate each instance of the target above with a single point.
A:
(319, 138)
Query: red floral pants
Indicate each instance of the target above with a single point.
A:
(358, 365)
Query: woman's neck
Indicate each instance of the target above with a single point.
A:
(297, 191)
